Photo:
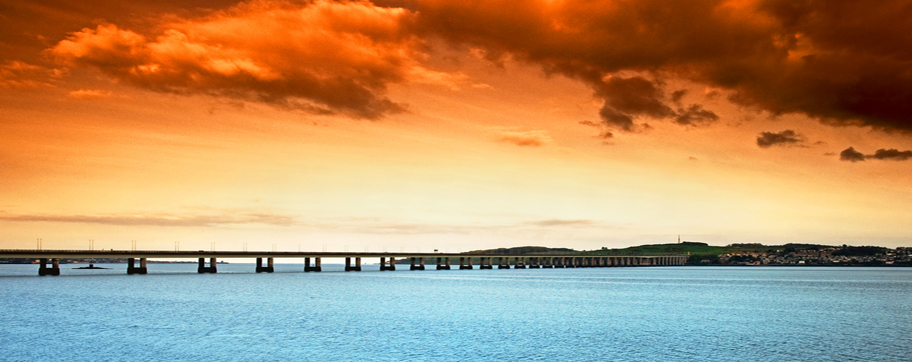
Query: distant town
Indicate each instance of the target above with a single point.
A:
(823, 255)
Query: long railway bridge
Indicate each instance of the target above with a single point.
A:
(49, 260)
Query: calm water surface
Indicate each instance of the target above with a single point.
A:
(597, 314)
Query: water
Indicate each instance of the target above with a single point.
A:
(593, 314)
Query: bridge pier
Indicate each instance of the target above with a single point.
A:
(316, 267)
(204, 269)
(520, 263)
(269, 268)
(462, 263)
(132, 269)
(534, 262)
(420, 266)
(350, 267)
(443, 267)
(504, 262)
(43, 269)
(384, 266)
(546, 262)
(487, 263)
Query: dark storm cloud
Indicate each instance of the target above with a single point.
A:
(784, 138)
(842, 62)
(781, 56)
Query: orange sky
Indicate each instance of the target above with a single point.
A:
(453, 125)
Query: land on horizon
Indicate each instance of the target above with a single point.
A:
(698, 253)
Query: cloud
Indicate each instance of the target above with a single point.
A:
(89, 94)
(850, 154)
(695, 115)
(525, 138)
(781, 56)
(232, 218)
(323, 57)
(16, 74)
(589, 123)
(562, 222)
(677, 95)
(784, 138)
(891, 154)
(626, 98)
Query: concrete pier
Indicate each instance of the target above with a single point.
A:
(462, 263)
(350, 267)
(420, 265)
(316, 267)
(487, 263)
(504, 263)
(132, 269)
(269, 268)
(54, 269)
(390, 266)
(445, 266)
(520, 263)
(207, 269)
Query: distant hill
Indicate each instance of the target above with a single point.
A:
(522, 250)
(698, 252)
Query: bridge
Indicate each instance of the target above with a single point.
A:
(49, 260)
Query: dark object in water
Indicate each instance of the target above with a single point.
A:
(91, 266)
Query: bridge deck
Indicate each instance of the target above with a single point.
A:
(24, 253)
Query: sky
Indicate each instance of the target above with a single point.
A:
(417, 125)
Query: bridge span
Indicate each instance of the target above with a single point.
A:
(49, 260)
